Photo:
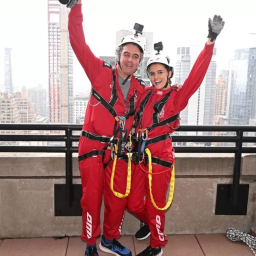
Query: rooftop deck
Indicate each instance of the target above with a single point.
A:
(178, 245)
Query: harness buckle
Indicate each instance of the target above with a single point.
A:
(145, 135)
(122, 122)
(128, 147)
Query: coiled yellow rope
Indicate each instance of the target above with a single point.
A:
(129, 176)
(172, 182)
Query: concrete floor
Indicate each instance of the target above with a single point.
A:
(178, 245)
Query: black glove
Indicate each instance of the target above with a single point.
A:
(69, 3)
(215, 27)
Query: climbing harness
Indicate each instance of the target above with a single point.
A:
(143, 154)
(118, 142)
(237, 236)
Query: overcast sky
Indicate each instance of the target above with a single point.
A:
(23, 27)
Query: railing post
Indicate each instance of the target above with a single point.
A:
(69, 173)
(237, 169)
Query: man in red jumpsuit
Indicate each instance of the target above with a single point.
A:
(109, 115)
(158, 118)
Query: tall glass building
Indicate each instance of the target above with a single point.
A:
(200, 108)
(242, 87)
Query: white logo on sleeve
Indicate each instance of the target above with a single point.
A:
(89, 226)
(158, 226)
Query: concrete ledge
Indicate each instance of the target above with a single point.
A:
(53, 165)
(27, 196)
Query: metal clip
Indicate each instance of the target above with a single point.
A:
(122, 122)
(145, 135)
(128, 147)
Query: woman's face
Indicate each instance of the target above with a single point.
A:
(158, 75)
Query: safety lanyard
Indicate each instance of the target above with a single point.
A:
(129, 174)
(172, 182)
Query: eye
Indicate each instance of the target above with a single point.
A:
(126, 55)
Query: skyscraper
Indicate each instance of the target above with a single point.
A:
(221, 91)
(25, 107)
(37, 96)
(60, 64)
(242, 87)
(200, 109)
(8, 83)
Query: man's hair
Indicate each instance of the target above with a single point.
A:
(120, 48)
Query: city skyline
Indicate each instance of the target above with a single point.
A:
(30, 62)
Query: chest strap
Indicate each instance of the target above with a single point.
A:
(164, 122)
(110, 105)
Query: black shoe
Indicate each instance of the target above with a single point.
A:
(149, 251)
(91, 251)
(143, 233)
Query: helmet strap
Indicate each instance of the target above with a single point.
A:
(166, 83)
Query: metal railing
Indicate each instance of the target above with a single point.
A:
(68, 147)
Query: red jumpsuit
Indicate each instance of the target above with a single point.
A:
(99, 122)
(163, 150)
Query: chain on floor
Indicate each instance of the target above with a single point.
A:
(236, 235)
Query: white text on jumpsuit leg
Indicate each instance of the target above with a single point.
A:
(158, 226)
(89, 226)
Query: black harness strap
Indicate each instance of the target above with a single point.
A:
(103, 102)
(91, 154)
(122, 157)
(143, 104)
(102, 139)
(95, 137)
(158, 139)
(109, 106)
(158, 106)
(131, 105)
(164, 122)
(114, 97)
(159, 161)
(164, 163)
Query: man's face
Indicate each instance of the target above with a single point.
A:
(130, 59)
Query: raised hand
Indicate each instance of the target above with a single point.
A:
(69, 3)
(215, 26)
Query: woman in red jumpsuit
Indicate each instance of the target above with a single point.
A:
(158, 118)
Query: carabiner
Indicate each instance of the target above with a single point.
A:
(145, 135)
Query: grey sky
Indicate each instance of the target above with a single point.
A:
(23, 27)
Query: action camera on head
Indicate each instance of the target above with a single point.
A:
(158, 47)
(138, 28)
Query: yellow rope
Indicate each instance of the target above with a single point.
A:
(172, 182)
(129, 176)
